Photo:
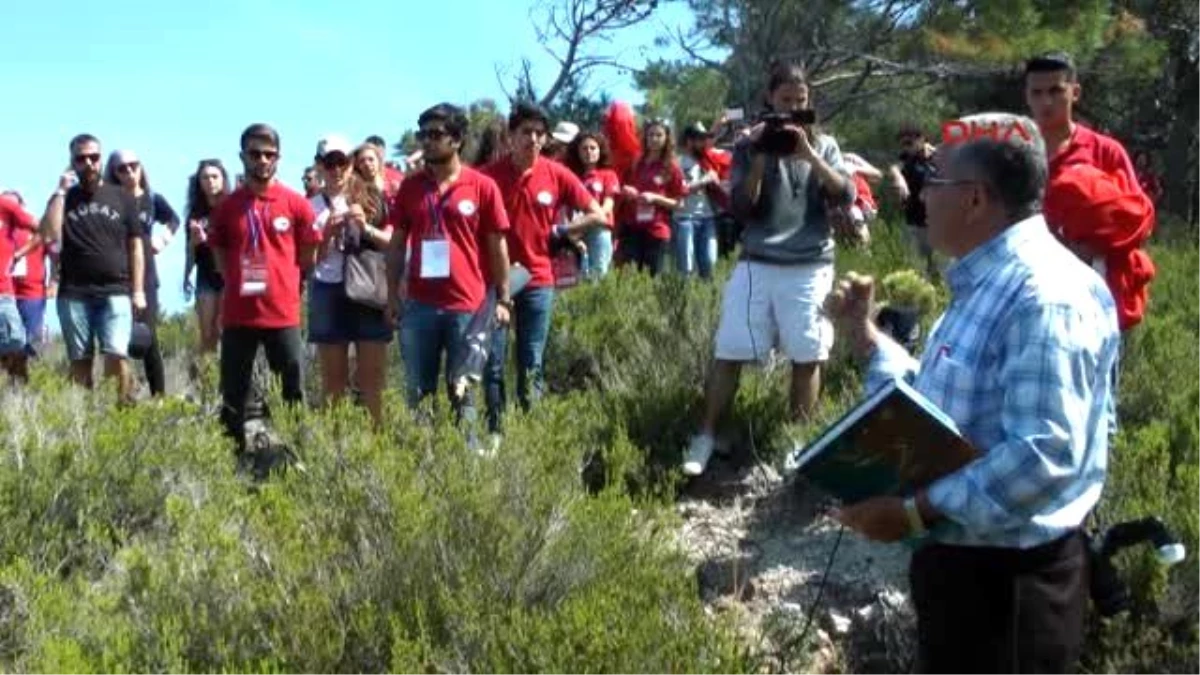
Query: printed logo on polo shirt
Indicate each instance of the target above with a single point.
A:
(466, 207)
(281, 224)
(658, 180)
(545, 198)
(597, 187)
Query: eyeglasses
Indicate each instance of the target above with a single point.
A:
(91, 158)
(268, 155)
(431, 134)
(129, 167)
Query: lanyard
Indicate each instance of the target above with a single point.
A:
(255, 220)
(434, 205)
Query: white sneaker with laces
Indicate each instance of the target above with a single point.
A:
(699, 452)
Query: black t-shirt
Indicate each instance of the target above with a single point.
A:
(95, 242)
(205, 259)
(147, 216)
(915, 170)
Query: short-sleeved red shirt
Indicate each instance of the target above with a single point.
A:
(1092, 147)
(16, 227)
(659, 178)
(602, 184)
(464, 215)
(533, 199)
(271, 227)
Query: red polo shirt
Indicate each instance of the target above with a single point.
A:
(16, 227)
(602, 184)
(659, 178)
(532, 200)
(284, 221)
(1092, 147)
(464, 214)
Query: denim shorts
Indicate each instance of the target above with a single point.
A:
(334, 319)
(12, 329)
(86, 321)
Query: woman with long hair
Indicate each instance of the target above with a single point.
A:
(352, 215)
(370, 168)
(206, 188)
(588, 158)
(126, 170)
(651, 191)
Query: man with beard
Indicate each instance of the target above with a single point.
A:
(263, 237)
(102, 265)
(451, 218)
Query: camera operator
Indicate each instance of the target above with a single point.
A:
(784, 174)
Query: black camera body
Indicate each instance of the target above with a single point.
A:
(776, 140)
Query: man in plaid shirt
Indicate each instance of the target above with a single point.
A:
(1024, 361)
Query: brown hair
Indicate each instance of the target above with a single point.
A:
(575, 162)
(784, 72)
(668, 151)
(367, 195)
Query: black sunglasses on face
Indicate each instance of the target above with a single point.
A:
(262, 154)
(335, 161)
(91, 158)
(128, 168)
(431, 134)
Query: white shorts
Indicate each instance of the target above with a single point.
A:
(767, 306)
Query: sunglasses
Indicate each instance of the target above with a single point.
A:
(431, 134)
(91, 158)
(269, 155)
(338, 161)
(129, 167)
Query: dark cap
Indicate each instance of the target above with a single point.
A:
(696, 130)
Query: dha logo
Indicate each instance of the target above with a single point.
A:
(957, 131)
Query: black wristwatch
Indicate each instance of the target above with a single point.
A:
(506, 304)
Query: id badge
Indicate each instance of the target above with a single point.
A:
(435, 259)
(20, 269)
(645, 213)
(254, 275)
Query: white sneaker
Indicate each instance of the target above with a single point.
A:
(699, 452)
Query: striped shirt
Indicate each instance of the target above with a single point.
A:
(1024, 361)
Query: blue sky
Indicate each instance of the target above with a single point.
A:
(178, 81)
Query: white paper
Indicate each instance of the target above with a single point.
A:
(435, 259)
(645, 213)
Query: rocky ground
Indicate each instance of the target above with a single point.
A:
(761, 545)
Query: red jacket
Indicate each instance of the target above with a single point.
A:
(721, 162)
(1111, 216)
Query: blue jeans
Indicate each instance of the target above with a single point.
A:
(33, 315)
(86, 321)
(599, 253)
(426, 333)
(12, 329)
(695, 242)
(532, 308)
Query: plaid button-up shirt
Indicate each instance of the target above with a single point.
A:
(1023, 361)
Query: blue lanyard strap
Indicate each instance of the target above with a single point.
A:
(255, 220)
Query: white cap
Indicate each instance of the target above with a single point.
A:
(334, 143)
(565, 132)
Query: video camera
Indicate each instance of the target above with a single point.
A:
(776, 140)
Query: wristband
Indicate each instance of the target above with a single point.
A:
(916, 526)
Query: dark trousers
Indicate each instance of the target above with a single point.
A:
(532, 309)
(639, 248)
(156, 375)
(998, 610)
(284, 349)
